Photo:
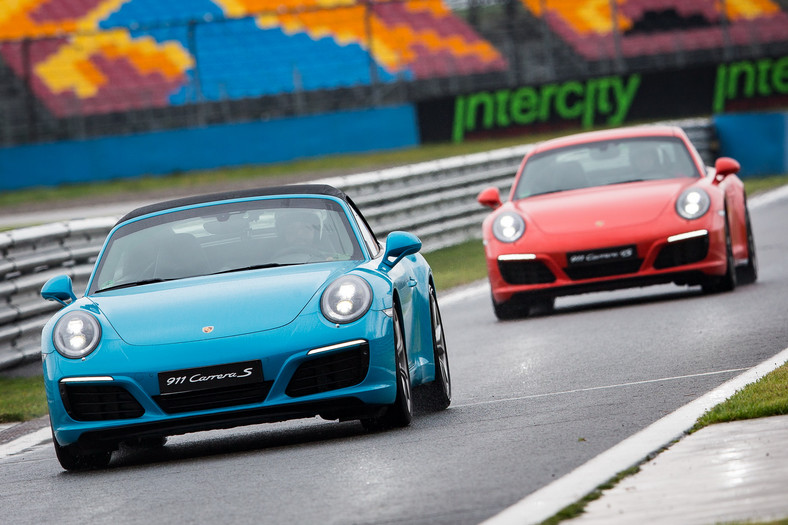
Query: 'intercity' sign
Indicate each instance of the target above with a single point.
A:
(608, 96)
(607, 101)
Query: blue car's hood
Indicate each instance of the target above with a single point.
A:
(230, 304)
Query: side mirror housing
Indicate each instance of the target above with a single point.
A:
(491, 197)
(725, 166)
(398, 245)
(59, 289)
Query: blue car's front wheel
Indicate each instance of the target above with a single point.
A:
(400, 413)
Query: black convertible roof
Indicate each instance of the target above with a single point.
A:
(295, 189)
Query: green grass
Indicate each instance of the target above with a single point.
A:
(766, 397)
(576, 509)
(22, 399)
(458, 265)
(761, 184)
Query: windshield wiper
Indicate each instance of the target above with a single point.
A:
(626, 181)
(254, 267)
(133, 283)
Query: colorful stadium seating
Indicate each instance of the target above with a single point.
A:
(651, 27)
(99, 56)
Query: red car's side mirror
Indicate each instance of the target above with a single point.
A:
(725, 166)
(490, 197)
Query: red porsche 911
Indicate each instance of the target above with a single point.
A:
(616, 209)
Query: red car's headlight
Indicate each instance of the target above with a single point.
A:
(508, 227)
(693, 203)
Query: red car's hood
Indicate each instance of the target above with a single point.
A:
(609, 206)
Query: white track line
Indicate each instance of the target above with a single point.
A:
(593, 388)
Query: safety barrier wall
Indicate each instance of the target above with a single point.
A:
(435, 200)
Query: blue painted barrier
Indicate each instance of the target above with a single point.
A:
(759, 141)
(164, 152)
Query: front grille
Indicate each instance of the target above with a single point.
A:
(330, 372)
(213, 398)
(606, 269)
(99, 402)
(678, 253)
(525, 272)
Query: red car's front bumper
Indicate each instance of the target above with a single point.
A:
(555, 265)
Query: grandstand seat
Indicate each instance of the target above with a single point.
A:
(670, 25)
(234, 52)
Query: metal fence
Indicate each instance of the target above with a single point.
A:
(434, 200)
(163, 65)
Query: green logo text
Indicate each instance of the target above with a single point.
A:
(750, 79)
(607, 96)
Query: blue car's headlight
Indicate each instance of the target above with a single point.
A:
(346, 299)
(508, 227)
(76, 334)
(693, 203)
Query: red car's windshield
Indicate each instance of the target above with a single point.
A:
(603, 163)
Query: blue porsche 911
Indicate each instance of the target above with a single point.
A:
(240, 308)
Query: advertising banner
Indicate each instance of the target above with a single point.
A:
(607, 101)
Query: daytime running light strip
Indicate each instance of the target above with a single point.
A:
(688, 235)
(87, 379)
(355, 342)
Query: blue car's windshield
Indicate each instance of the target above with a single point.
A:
(604, 163)
(225, 238)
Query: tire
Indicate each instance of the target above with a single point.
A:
(749, 273)
(511, 309)
(726, 283)
(75, 458)
(543, 305)
(400, 413)
(436, 396)
(520, 307)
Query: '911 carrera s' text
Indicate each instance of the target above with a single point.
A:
(198, 378)
(616, 254)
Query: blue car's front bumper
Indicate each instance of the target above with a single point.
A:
(113, 394)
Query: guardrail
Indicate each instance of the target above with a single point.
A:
(435, 200)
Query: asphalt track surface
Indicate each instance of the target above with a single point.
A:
(534, 400)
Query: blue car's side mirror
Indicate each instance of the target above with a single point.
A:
(59, 289)
(399, 245)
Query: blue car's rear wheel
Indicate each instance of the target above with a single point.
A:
(74, 457)
(437, 394)
(400, 413)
